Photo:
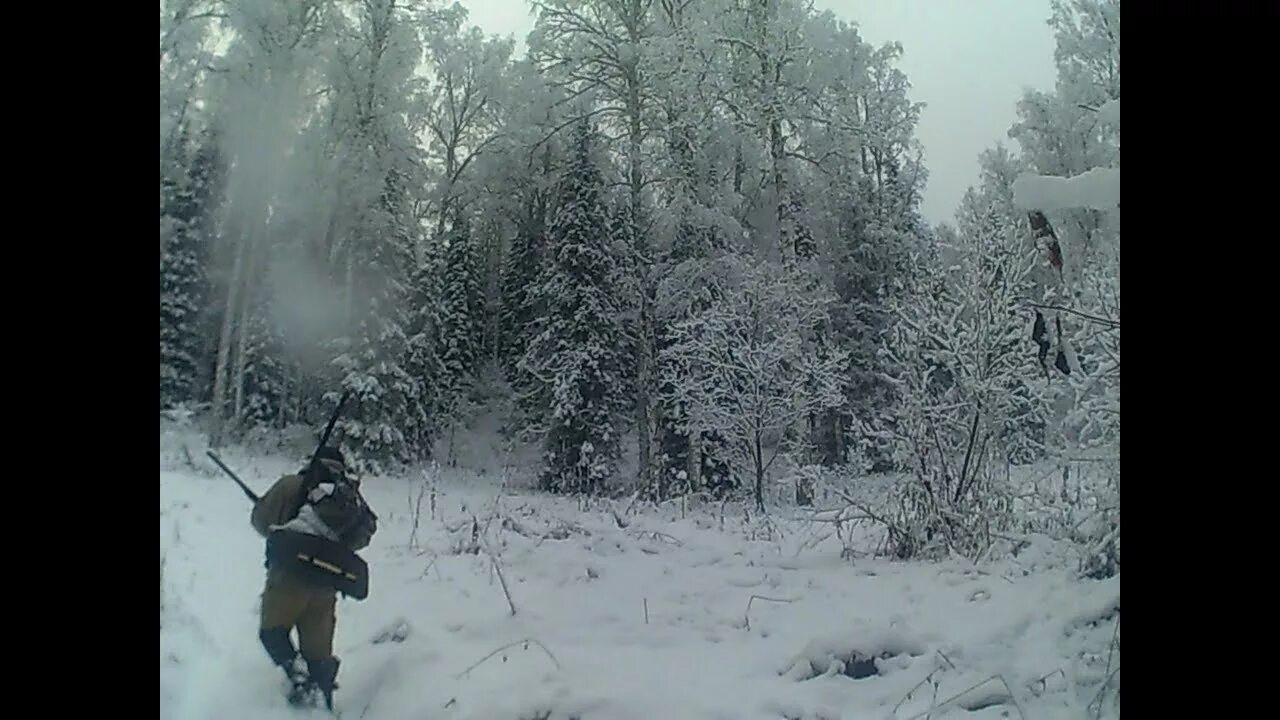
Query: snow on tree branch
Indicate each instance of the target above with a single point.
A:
(748, 367)
(1097, 189)
(1109, 113)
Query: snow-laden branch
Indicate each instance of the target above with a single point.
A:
(1109, 113)
(1097, 189)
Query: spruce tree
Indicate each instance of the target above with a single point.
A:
(457, 339)
(521, 272)
(380, 425)
(422, 361)
(186, 206)
(574, 354)
(266, 370)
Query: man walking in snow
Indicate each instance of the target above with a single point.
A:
(324, 501)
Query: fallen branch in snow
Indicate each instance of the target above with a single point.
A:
(836, 516)
(430, 565)
(1043, 681)
(567, 528)
(510, 523)
(652, 535)
(746, 616)
(525, 642)
(946, 659)
(562, 531)
(969, 689)
(927, 679)
(1095, 705)
(890, 525)
(812, 541)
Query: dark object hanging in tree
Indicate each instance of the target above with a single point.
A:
(1060, 361)
(1055, 255)
(1040, 225)
(1040, 334)
(1044, 231)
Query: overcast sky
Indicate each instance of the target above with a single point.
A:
(969, 60)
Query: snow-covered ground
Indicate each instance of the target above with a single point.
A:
(640, 622)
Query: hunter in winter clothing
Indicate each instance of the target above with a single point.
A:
(290, 598)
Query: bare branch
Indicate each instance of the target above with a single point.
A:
(1113, 324)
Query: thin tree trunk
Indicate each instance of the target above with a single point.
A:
(644, 366)
(222, 366)
(351, 289)
(759, 460)
(242, 349)
(247, 297)
(837, 428)
(694, 465)
(281, 414)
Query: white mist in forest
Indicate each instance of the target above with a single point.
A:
(307, 307)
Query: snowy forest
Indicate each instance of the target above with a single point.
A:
(642, 318)
(676, 246)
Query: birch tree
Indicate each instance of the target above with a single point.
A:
(747, 367)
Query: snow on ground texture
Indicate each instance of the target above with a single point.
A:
(581, 585)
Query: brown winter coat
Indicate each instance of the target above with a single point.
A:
(278, 505)
(289, 601)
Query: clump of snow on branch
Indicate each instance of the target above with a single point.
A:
(1096, 189)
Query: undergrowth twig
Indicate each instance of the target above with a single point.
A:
(525, 642)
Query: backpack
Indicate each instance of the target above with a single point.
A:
(336, 501)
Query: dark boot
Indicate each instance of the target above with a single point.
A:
(280, 648)
(324, 673)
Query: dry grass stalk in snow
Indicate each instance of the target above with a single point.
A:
(525, 642)
(746, 615)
